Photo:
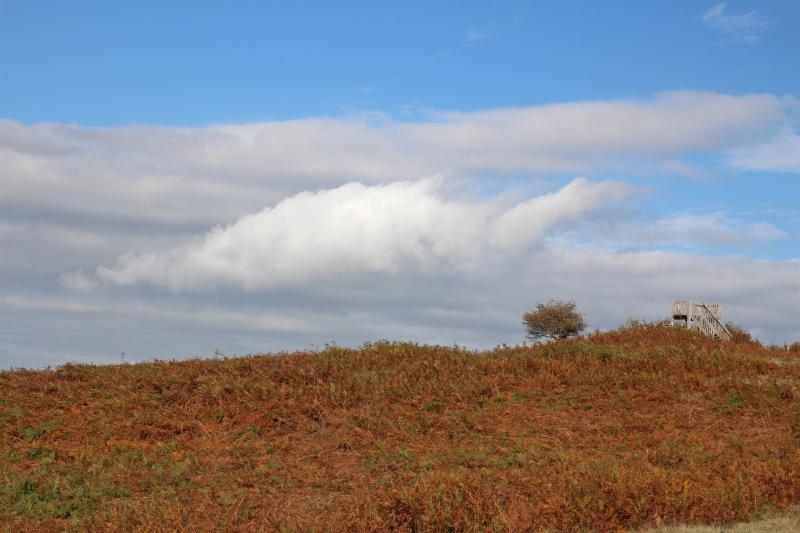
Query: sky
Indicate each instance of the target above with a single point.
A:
(181, 179)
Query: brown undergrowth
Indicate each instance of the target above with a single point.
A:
(643, 426)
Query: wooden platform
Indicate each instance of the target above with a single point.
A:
(706, 317)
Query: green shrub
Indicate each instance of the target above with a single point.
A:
(553, 320)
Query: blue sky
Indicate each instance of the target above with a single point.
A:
(198, 63)
(213, 174)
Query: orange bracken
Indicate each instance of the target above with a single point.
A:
(640, 426)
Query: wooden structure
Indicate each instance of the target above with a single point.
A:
(705, 317)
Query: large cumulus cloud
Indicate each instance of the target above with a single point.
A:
(356, 229)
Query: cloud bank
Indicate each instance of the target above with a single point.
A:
(277, 235)
(163, 175)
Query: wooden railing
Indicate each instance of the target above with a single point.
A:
(706, 317)
(708, 321)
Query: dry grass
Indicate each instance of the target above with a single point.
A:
(641, 427)
(783, 524)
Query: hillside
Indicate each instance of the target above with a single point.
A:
(639, 427)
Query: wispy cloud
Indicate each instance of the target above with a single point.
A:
(476, 35)
(467, 41)
(719, 228)
(740, 28)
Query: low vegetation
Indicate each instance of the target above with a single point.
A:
(643, 427)
(738, 333)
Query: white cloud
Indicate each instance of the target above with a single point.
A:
(577, 136)
(717, 228)
(357, 229)
(743, 28)
(778, 154)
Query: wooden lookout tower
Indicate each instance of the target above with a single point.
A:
(705, 317)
